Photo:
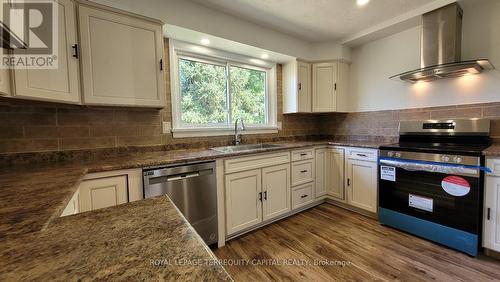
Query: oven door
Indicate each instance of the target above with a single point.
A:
(440, 193)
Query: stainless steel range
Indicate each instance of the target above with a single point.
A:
(431, 182)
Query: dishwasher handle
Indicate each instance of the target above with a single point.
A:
(182, 176)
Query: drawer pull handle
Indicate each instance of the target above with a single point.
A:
(303, 171)
(361, 155)
(303, 196)
(303, 154)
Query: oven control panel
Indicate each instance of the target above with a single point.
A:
(429, 157)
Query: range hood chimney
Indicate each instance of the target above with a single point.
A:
(441, 46)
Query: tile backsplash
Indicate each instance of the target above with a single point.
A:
(28, 126)
(383, 125)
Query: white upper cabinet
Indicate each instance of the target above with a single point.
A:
(324, 79)
(297, 87)
(121, 58)
(330, 84)
(61, 84)
(343, 89)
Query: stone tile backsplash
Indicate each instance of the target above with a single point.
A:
(383, 125)
(28, 126)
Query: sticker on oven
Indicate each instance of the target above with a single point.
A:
(421, 203)
(455, 186)
(387, 173)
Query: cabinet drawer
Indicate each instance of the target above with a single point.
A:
(255, 161)
(302, 195)
(302, 172)
(362, 154)
(300, 155)
(494, 165)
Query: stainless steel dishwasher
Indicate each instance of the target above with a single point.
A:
(193, 189)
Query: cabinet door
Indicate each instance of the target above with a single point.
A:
(276, 191)
(73, 206)
(324, 79)
(321, 178)
(491, 237)
(5, 89)
(61, 84)
(243, 204)
(304, 89)
(362, 184)
(343, 87)
(120, 59)
(336, 173)
(103, 192)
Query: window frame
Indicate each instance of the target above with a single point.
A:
(182, 50)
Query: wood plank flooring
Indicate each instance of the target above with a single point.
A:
(291, 249)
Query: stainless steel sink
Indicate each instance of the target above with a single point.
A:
(241, 148)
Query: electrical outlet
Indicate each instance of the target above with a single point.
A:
(280, 125)
(167, 127)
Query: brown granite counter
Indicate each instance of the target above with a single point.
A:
(360, 144)
(492, 151)
(143, 240)
(37, 244)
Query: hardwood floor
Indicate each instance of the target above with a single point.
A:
(287, 251)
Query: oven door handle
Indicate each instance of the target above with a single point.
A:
(412, 165)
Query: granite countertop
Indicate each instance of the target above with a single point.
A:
(31, 231)
(492, 151)
(143, 240)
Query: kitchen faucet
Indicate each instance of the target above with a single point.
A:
(237, 135)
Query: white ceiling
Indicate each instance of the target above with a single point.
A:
(315, 20)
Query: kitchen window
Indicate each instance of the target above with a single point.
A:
(211, 91)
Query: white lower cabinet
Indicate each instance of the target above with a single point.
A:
(257, 195)
(103, 192)
(276, 191)
(302, 195)
(336, 173)
(361, 184)
(330, 173)
(243, 204)
(321, 179)
(491, 213)
(106, 189)
(73, 206)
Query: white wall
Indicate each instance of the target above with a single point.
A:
(374, 62)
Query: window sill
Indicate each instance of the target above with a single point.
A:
(207, 132)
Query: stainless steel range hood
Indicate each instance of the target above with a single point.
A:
(440, 47)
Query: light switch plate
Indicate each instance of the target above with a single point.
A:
(167, 127)
(280, 125)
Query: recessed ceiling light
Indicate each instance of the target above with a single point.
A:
(205, 41)
(362, 2)
(264, 56)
